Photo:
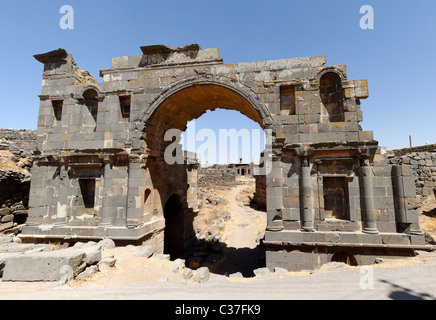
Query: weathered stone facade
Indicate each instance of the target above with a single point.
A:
(331, 194)
(422, 159)
(259, 196)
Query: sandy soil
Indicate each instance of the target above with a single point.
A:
(6, 164)
(427, 215)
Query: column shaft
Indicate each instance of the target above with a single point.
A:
(370, 214)
(106, 216)
(306, 196)
(61, 210)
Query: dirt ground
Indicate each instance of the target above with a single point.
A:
(427, 215)
(242, 253)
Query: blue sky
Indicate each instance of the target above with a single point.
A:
(397, 57)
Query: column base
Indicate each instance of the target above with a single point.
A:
(105, 225)
(370, 231)
(60, 222)
(275, 229)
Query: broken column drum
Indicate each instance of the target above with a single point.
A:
(100, 169)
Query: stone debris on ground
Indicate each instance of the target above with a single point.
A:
(213, 215)
(51, 263)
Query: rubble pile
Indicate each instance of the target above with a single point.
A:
(16, 160)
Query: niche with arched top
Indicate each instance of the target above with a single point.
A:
(174, 226)
(331, 96)
(91, 102)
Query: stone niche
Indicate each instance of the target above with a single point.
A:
(100, 170)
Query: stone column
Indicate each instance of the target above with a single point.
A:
(274, 196)
(61, 209)
(106, 213)
(398, 187)
(370, 213)
(135, 209)
(306, 197)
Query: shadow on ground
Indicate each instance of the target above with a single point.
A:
(430, 214)
(224, 260)
(243, 260)
(402, 293)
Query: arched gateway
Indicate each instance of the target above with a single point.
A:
(100, 171)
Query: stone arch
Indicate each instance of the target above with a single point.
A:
(331, 93)
(236, 87)
(173, 109)
(339, 72)
(88, 89)
(191, 98)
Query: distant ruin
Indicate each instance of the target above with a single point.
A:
(225, 175)
(16, 160)
(331, 194)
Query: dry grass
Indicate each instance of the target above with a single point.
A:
(6, 164)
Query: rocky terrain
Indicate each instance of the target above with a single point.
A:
(427, 219)
(16, 160)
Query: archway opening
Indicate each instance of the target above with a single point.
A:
(91, 102)
(331, 96)
(174, 113)
(190, 103)
(174, 227)
(225, 137)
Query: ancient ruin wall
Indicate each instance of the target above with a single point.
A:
(423, 162)
(112, 133)
(217, 176)
(18, 139)
(16, 150)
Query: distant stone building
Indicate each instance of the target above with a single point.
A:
(331, 194)
(217, 175)
(244, 169)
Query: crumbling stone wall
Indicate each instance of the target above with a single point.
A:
(16, 160)
(14, 199)
(218, 175)
(423, 162)
(17, 140)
